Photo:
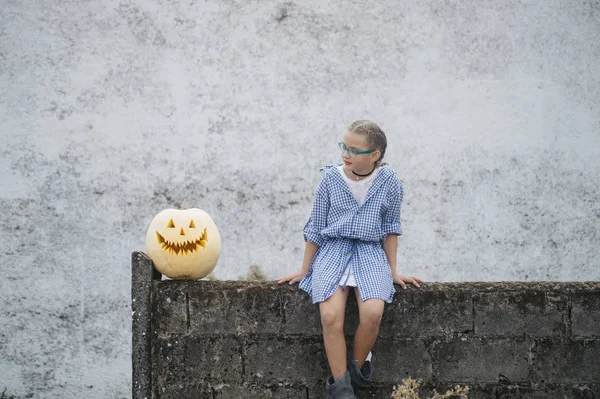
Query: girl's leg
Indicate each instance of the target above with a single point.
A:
(370, 312)
(332, 319)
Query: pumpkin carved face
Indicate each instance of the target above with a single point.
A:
(184, 244)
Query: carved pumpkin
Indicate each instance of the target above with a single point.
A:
(184, 244)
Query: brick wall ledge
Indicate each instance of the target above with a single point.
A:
(232, 339)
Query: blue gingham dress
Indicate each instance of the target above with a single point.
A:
(345, 231)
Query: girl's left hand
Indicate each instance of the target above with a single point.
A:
(402, 280)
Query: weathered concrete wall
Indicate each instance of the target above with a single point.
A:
(213, 339)
(112, 110)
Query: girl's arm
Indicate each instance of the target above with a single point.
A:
(390, 246)
(309, 253)
(392, 228)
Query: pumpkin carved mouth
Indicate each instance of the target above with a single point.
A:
(182, 248)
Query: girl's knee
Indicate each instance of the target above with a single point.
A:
(332, 310)
(372, 321)
(331, 320)
(371, 317)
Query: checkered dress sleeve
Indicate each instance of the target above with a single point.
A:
(391, 219)
(318, 216)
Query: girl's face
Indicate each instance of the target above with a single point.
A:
(361, 162)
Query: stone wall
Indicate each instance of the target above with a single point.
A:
(232, 339)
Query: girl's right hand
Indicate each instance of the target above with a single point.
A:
(292, 278)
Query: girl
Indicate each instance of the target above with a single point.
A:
(351, 239)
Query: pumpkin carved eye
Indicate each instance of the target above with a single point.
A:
(171, 224)
(192, 224)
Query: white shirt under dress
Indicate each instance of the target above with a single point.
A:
(359, 189)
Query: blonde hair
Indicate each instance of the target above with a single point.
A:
(373, 134)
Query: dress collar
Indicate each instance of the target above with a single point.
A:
(382, 176)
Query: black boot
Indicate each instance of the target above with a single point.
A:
(339, 389)
(360, 375)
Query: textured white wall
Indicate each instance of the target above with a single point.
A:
(112, 111)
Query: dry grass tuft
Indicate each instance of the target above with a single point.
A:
(255, 274)
(457, 392)
(410, 390)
